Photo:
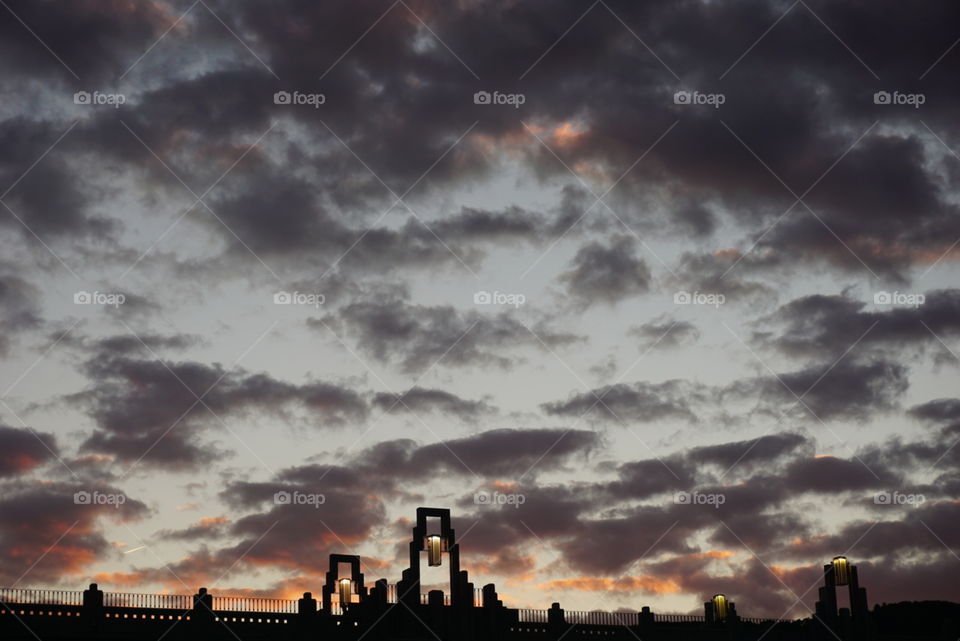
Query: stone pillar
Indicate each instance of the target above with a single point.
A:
(202, 606)
(555, 615)
(307, 606)
(490, 596)
(92, 609)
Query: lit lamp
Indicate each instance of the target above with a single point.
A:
(841, 570)
(346, 590)
(434, 549)
(720, 607)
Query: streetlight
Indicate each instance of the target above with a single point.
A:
(434, 550)
(346, 589)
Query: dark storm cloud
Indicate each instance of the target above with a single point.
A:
(821, 325)
(901, 534)
(722, 273)
(22, 450)
(19, 311)
(95, 39)
(418, 336)
(847, 390)
(785, 110)
(147, 408)
(764, 450)
(606, 273)
(511, 224)
(941, 409)
(301, 224)
(419, 399)
(828, 474)
(761, 480)
(645, 478)
(601, 545)
(548, 513)
(389, 465)
(416, 100)
(665, 332)
(44, 194)
(36, 516)
(506, 453)
(127, 344)
(642, 402)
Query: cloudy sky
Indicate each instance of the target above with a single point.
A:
(659, 298)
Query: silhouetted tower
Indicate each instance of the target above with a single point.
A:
(840, 572)
(344, 587)
(435, 544)
(719, 609)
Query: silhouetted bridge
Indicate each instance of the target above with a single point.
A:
(102, 616)
(349, 610)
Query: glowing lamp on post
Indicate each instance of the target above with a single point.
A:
(434, 550)
(346, 589)
(720, 607)
(841, 570)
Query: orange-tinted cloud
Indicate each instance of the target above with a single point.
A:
(647, 584)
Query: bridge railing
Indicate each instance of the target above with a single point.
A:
(135, 600)
(762, 621)
(42, 597)
(583, 617)
(533, 616)
(254, 604)
(679, 618)
(392, 596)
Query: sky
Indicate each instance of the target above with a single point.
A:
(660, 298)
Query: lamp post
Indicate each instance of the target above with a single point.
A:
(841, 570)
(434, 550)
(346, 590)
